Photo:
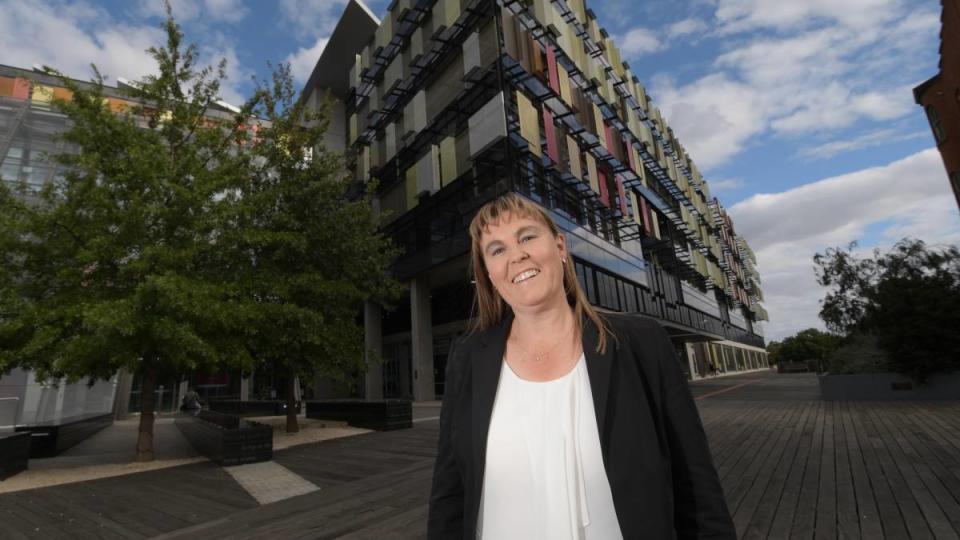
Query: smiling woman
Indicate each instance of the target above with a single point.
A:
(559, 421)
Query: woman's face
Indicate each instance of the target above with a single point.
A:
(524, 261)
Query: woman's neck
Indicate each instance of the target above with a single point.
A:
(543, 324)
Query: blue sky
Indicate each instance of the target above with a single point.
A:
(799, 113)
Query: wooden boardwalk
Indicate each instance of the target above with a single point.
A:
(791, 465)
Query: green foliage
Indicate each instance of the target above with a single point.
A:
(110, 267)
(805, 346)
(304, 253)
(180, 242)
(908, 298)
(858, 354)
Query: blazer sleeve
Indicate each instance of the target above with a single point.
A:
(445, 517)
(700, 508)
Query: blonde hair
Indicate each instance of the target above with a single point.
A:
(489, 308)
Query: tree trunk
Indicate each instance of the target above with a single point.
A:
(148, 402)
(292, 425)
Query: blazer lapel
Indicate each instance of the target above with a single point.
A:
(486, 376)
(600, 370)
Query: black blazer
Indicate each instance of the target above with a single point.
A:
(654, 449)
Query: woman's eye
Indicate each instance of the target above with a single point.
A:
(497, 251)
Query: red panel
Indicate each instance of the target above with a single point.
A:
(550, 132)
(604, 192)
(623, 196)
(645, 215)
(21, 88)
(630, 161)
(552, 69)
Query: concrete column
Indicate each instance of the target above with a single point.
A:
(692, 361)
(373, 347)
(421, 340)
(246, 383)
(121, 400)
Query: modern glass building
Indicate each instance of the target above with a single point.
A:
(448, 103)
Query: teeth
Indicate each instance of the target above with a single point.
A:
(525, 275)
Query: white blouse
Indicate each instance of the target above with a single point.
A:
(544, 471)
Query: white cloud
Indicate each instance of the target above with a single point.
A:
(714, 116)
(303, 61)
(226, 10)
(798, 82)
(686, 27)
(726, 184)
(866, 140)
(230, 11)
(640, 41)
(312, 18)
(71, 37)
(741, 15)
(910, 196)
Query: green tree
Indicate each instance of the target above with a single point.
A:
(114, 265)
(305, 253)
(804, 346)
(909, 299)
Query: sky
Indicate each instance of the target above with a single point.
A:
(799, 113)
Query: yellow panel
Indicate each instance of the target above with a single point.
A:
(448, 160)
(656, 225)
(564, 80)
(636, 208)
(411, 187)
(42, 93)
(529, 122)
(592, 176)
(573, 149)
(598, 126)
(353, 128)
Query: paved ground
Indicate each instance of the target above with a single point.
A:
(791, 465)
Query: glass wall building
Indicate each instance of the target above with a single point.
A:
(447, 104)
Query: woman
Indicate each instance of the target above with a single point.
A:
(558, 422)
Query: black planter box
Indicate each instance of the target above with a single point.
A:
(227, 439)
(384, 415)
(252, 408)
(48, 439)
(14, 453)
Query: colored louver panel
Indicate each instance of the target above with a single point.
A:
(550, 133)
(622, 195)
(646, 216)
(21, 88)
(573, 153)
(42, 94)
(604, 189)
(564, 82)
(552, 73)
(635, 204)
(529, 123)
(448, 160)
(592, 172)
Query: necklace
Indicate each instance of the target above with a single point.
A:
(537, 357)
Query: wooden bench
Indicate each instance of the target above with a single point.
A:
(48, 439)
(270, 407)
(14, 453)
(227, 439)
(382, 415)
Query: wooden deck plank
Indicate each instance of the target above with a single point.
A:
(804, 519)
(826, 508)
(848, 522)
(760, 522)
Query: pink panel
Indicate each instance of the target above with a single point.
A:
(552, 69)
(21, 88)
(623, 195)
(604, 193)
(630, 161)
(550, 132)
(611, 140)
(645, 214)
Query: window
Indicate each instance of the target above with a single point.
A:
(934, 117)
